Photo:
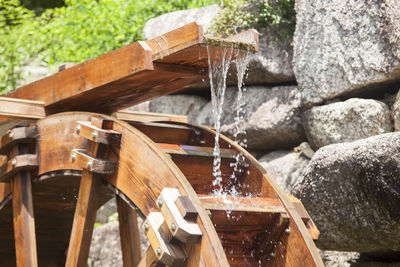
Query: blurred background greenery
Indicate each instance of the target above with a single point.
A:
(51, 32)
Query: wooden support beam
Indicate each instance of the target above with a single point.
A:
(131, 116)
(24, 222)
(87, 203)
(13, 108)
(84, 218)
(129, 233)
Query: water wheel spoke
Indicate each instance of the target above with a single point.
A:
(24, 222)
(84, 218)
(129, 233)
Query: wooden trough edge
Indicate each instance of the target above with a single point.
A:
(132, 74)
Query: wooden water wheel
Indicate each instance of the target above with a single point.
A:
(57, 171)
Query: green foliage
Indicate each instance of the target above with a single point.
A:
(78, 31)
(238, 15)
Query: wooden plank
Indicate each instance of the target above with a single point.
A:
(95, 165)
(17, 135)
(14, 108)
(150, 259)
(129, 233)
(77, 82)
(126, 76)
(84, 218)
(132, 116)
(196, 150)
(89, 131)
(254, 204)
(24, 223)
(17, 164)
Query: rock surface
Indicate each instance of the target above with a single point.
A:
(189, 105)
(352, 192)
(168, 22)
(106, 211)
(105, 249)
(272, 64)
(286, 167)
(346, 121)
(273, 118)
(396, 112)
(346, 46)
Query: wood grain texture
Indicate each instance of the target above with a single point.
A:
(19, 108)
(84, 218)
(132, 116)
(17, 135)
(129, 233)
(24, 222)
(129, 75)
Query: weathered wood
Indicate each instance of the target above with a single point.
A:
(144, 170)
(24, 222)
(16, 136)
(160, 240)
(184, 230)
(254, 204)
(17, 108)
(17, 164)
(150, 259)
(84, 218)
(98, 135)
(196, 150)
(186, 208)
(88, 199)
(132, 116)
(92, 164)
(129, 233)
(125, 76)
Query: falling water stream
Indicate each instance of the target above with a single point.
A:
(219, 60)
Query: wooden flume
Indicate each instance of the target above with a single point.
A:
(58, 167)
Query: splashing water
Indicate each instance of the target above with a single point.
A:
(239, 135)
(219, 60)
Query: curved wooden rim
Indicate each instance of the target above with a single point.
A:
(131, 174)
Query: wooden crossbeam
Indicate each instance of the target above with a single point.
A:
(13, 108)
(131, 116)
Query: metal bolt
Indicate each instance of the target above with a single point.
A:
(73, 157)
(11, 135)
(272, 254)
(173, 227)
(94, 135)
(159, 202)
(78, 129)
(13, 163)
(158, 251)
(89, 164)
(146, 227)
(287, 230)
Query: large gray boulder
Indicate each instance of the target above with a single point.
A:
(346, 121)
(272, 119)
(352, 192)
(272, 64)
(285, 166)
(188, 105)
(170, 21)
(344, 47)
